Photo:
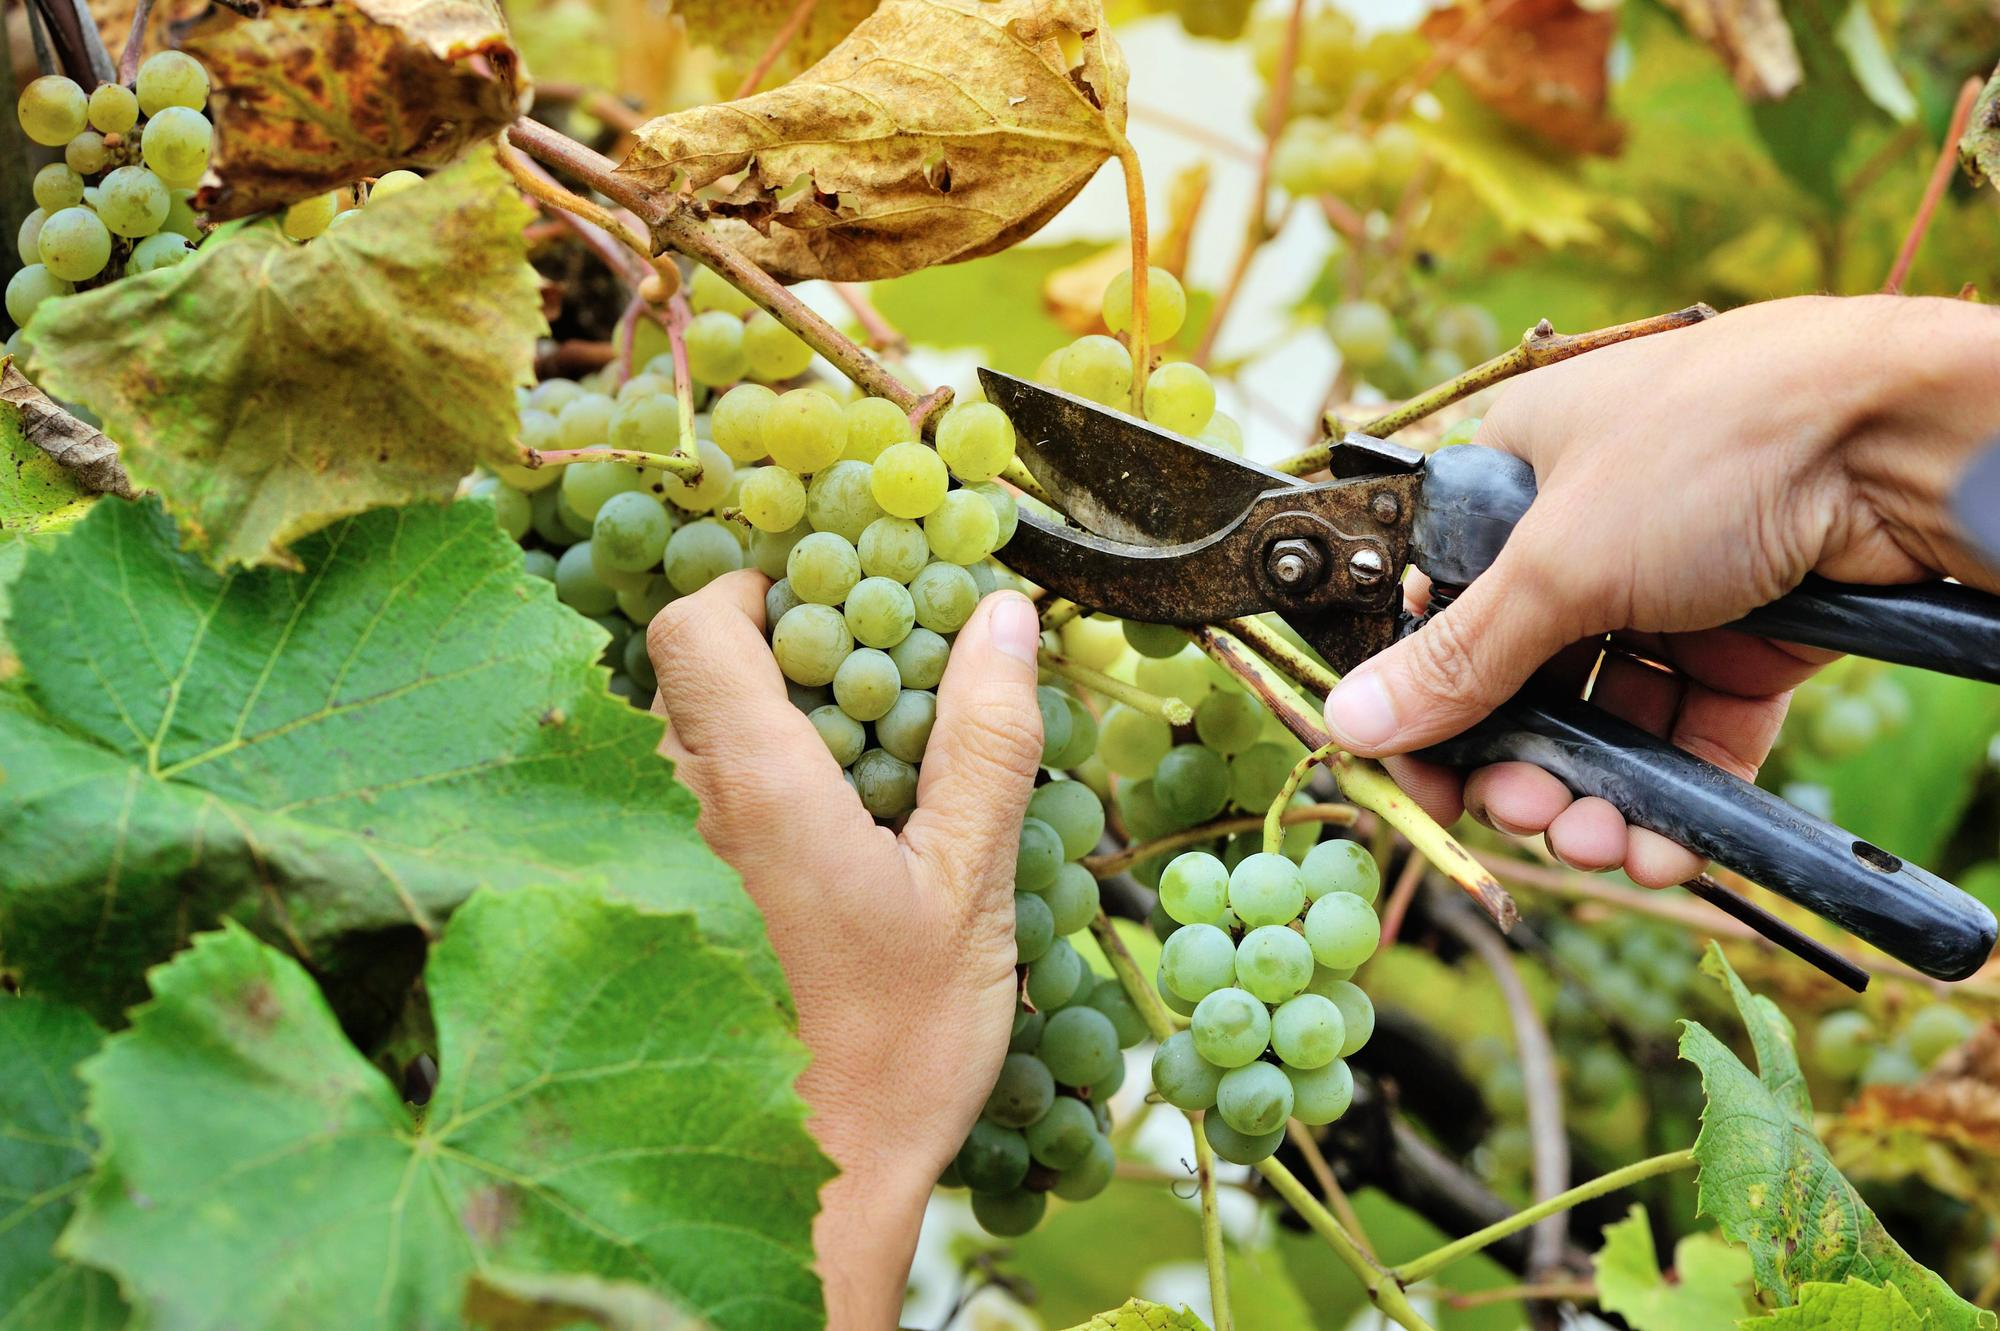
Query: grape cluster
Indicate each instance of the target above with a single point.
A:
(1849, 1044)
(1405, 355)
(118, 201)
(1177, 395)
(1848, 706)
(1261, 963)
(1341, 136)
(1046, 1122)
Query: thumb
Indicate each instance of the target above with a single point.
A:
(979, 767)
(1468, 658)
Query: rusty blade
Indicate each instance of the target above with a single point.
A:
(1195, 582)
(1121, 477)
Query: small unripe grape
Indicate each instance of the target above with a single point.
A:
(181, 219)
(29, 287)
(171, 78)
(773, 499)
(27, 238)
(737, 421)
(1166, 304)
(873, 424)
(893, 548)
(1346, 164)
(1399, 151)
(52, 110)
(804, 430)
(86, 154)
(164, 249)
(113, 108)
(705, 493)
(962, 528)
(74, 244)
(1179, 397)
(711, 291)
(772, 351)
(715, 348)
(1362, 331)
(389, 186)
(909, 480)
(57, 187)
(1224, 433)
(133, 201)
(310, 217)
(175, 143)
(1098, 368)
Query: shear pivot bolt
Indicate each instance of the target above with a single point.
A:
(1294, 564)
(1385, 508)
(1366, 566)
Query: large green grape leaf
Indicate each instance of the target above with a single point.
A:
(268, 388)
(614, 1099)
(1139, 1315)
(1851, 1305)
(1770, 1185)
(938, 130)
(313, 96)
(1711, 1279)
(332, 758)
(44, 1165)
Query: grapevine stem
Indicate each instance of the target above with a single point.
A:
(1941, 174)
(1171, 710)
(779, 42)
(1336, 1196)
(1116, 862)
(1382, 1286)
(1539, 346)
(677, 322)
(1258, 229)
(540, 186)
(1211, 1229)
(687, 468)
(1570, 1291)
(1058, 612)
(883, 336)
(1274, 647)
(1363, 782)
(1135, 214)
(1430, 1263)
(128, 59)
(1274, 824)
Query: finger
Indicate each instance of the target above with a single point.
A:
(979, 767)
(1637, 691)
(1653, 861)
(1474, 654)
(1518, 799)
(1438, 790)
(1589, 835)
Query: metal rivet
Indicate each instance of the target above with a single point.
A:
(1385, 508)
(1366, 566)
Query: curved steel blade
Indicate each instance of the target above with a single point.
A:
(1121, 477)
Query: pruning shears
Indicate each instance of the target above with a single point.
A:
(1205, 536)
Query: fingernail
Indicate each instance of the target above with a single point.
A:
(1017, 629)
(1359, 712)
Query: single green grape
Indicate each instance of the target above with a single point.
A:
(1224, 433)
(1265, 888)
(1273, 963)
(171, 79)
(886, 784)
(1362, 331)
(1891, 1065)
(1192, 783)
(56, 186)
(25, 240)
(823, 568)
(1132, 742)
(586, 485)
(175, 144)
(1194, 889)
(586, 420)
(74, 244)
(873, 424)
(578, 585)
(1034, 928)
(921, 657)
(1233, 1146)
(1098, 368)
(994, 1159)
(1399, 151)
(1229, 723)
(1321, 1095)
(715, 353)
(699, 553)
(388, 186)
(113, 108)
(1091, 1177)
(707, 491)
(770, 549)
(1196, 960)
(1095, 642)
(306, 218)
(944, 596)
(1022, 1093)
(772, 499)
(1174, 1002)
(905, 730)
(963, 528)
(1027, 1034)
(630, 532)
(909, 480)
(29, 287)
(1166, 304)
(1357, 1011)
(804, 430)
(1009, 1215)
(845, 738)
(879, 612)
(52, 110)
(1109, 997)
(841, 499)
(866, 684)
(1843, 1042)
(737, 421)
(976, 441)
(539, 564)
(1157, 641)
(1054, 980)
(772, 351)
(1254, 1099)
(709, 290)
(642, 604)
(1074, 811)
(1038, 856)
(1308, 1031)
(1342, 930)
(893, 548)
(552, 395)
(1340, 866)
(1231, 1027)
(1182, 1076)
(1080, 1045)
(1934, 1030)
(1055, 722)
(1257, 774)
(1063, 1137)
(1082, 742)
(1179, 397)
(1347, 166)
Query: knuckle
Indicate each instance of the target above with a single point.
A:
(1448, 665)
(996, 730)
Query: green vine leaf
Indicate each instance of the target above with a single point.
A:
(1711, 1278)
(1139, 1315)
(739, 32)
(1851, 1305)
(939, 130)
(310, 97)
(335, 759)
(268, 388)
(614, 1099)
(44, 1164)
(1770, 1185)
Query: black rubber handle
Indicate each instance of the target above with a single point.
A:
(1473, 496)
(1911, 914)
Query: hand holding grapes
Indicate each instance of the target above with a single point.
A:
(1682, 481)
(899, 948)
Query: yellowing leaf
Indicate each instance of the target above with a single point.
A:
(1753, 40)
(1944, 1129)
(938, 130)
(1139, 1315)
(1852, 1305)
(38, 492)
(1541, 64)
(267, 388)
(740, 31)
(1708, 1289)
(312, 97)
(1979, 150)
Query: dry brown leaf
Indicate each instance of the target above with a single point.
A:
(1540, 63)
(740, 31)
(1944, 1128)
(1752, 38)
(314, 97)
(76, 447)
(939, 130)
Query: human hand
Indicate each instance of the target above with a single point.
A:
(899, 948)
(1684, 480)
